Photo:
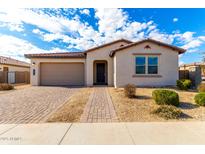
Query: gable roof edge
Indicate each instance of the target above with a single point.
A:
(109, 43)
(180, 50)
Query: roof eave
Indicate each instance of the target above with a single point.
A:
(106, 44)
(180, 50)
(30, 57)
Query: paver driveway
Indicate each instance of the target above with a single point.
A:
(32, 104)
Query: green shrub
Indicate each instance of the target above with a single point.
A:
(130, 90)
(200, 99)
(184, 84)
(187, 83)
(165, 97)
(167, 112)
(5, 86)
(201, 87)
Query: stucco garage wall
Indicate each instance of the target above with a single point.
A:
(35, 64)
(124, 66)
(101, 54)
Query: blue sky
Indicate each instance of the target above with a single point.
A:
(62, 30)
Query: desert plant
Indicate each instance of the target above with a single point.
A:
(201, 87)
(130, 90)
(184, 84)
(165, 97)
(167, 112)
(5, 86)
(200, 99)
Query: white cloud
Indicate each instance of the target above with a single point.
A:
(37, 31)
(156, 34)
(55, 25)
(192, 50)
(112, 24)
(50, 23)
(16, 48)
(110, 20)
(85, 11)
(152, 27)
(12, 27)
(192, 44)
(7, 19)
(202, 38)
(189, 41)
(187, 36)
(175, 19)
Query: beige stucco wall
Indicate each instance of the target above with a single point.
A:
(14, 68)
(101, 54)
(124, 66)
(121, 67)
(35, 80)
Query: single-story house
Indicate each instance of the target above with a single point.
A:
(144, 63)
(201, 65)
(12, 65)
(14, 71)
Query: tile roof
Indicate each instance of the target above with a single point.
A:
(106, 44)
(193, 64)
(72, 54)
(180, 50)
(11, 61)
(112, 52)
(57, 55)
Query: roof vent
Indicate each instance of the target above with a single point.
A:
(147, 47)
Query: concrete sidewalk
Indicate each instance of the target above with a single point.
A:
(104, 133)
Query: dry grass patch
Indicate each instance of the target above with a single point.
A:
(141, 107)
(72, 110)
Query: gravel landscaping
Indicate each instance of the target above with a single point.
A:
(140, 107)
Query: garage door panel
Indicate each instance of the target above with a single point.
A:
(62, 74)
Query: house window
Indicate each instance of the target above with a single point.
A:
(146, 65)
(140, 65)
(34, 72)
(152, 65)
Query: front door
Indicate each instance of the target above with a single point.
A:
(100, 70)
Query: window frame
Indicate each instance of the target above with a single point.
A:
(146, 64)
(34, 72)
(140, 65)
(152, 65)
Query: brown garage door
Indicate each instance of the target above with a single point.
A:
(62, 73)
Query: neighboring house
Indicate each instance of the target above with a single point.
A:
(14, 71)
(13, 65)
(192, 65)
(194, 71)
(143, 63)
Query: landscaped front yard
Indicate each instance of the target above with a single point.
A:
(72, 110)
(140, 108)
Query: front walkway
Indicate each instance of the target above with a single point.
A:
(99, 107)
(104, 133)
